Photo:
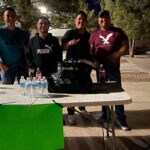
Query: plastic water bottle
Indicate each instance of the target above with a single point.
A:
(39, 87)
(27, 87)
(32, 89)
(45, 87)
(42, 87)
(38, 73)
(22, 85)
(34, 81)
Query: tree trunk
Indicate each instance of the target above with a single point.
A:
(131, 47)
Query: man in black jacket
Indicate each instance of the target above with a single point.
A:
(75, 42)
(44, 51)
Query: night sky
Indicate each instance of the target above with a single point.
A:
(94, 4)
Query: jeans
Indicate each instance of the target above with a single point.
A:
(113, 74)
(8, 77)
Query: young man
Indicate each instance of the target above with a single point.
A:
(43, 51)
(75, 42)
(108, 44)
(13, 42)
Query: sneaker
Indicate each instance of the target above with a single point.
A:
(84, 111)
(71, 120)
(123, 125)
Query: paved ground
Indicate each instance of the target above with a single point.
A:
(87, 134)
(135, 69)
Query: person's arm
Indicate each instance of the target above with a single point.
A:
(121, 51)
(29, 57)
(68, 40)
(66, 45)
(92, 50)
(124, 47)
(58, 50)
(3, 67)
(92, 54)
(92, 44)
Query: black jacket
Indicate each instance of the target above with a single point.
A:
(44, 53)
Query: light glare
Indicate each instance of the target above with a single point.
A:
(43, 10)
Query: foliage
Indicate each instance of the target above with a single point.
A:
(62, 13)
(64, 17)
(2, 7)
(132, 16)
(27, 14)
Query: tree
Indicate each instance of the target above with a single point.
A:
(131, 16)
(63, 17)
(27, 14)
(4, 3)
(61, 13)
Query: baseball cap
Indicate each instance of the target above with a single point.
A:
(103, 12)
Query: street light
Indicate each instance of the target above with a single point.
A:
(43, 9)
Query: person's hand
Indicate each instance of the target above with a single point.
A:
(32, 70)
(95, 62)
(73, 42)
(113, 58)
(31, 73)
(3, 67)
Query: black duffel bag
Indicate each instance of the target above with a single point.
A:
(72, 76)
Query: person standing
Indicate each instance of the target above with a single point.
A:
(13, 43)
(108, 44)
(75, 42)
(44, 51)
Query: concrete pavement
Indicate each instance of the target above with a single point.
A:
(88, 135)
(140, 63)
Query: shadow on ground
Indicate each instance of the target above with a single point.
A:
(96, 143)
(136, 119)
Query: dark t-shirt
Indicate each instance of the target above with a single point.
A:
(12, 44)
(80, 50)
(107, 42)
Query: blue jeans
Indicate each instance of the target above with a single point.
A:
(8, 77)
(113, 74)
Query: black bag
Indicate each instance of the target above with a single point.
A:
(72, 76)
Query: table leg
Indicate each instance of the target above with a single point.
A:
(108, 120)
(113, 129)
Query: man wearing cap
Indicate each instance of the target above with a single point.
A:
(108, 44)
(13, 42)
(43, 51)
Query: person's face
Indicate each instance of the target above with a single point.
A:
(43, 26)
(9, 18)
(80, 22)
(104, 21)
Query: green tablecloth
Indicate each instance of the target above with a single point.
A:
(33, 127)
